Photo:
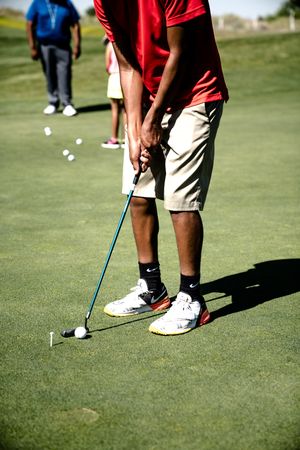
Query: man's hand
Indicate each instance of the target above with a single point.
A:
(34, 53)
(135, 154)
(76, 52)
(145, 159)
(151, 134)
(151, 131)
(140, 157)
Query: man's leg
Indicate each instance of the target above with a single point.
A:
(115, 118)
(145, 227)
(188, 229)
(49, 67)
(150, 293)
(189, 166)
(64, 75)
(189, 310)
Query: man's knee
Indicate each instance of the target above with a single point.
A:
(142, 204)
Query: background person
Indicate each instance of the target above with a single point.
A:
(169, 63)
(49, 25)
(114, 93)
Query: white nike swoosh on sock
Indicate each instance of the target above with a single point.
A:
(152, 270)
(192, 286)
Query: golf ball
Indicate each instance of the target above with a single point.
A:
(66, 152)
(47, 131)
(71, 157)
(78, 141)
(80, 332)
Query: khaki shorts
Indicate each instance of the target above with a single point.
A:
(180, 173)
(114, 87)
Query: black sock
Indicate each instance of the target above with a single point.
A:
(150, 272)
(190, 285)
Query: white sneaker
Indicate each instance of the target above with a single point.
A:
(69, 111)
(138, 301)
(111, 143)
(50, 109)
(184, 315)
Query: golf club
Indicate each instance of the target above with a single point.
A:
(71, 332)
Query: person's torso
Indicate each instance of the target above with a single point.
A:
(53, 21)
(142, 25)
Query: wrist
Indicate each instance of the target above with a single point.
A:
(133, 134)
(155, 114)
(133, 127)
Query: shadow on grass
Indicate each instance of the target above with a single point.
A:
(93, 108)
(266, 281)
(129, 322)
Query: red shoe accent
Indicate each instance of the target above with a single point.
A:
(204, 318)
(112, 141)
(163, 304)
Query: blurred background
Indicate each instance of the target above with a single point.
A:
(229, 17)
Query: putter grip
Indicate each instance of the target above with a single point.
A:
(136, 178)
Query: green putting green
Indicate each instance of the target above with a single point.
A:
(231, 385)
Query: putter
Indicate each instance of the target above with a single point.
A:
(71, 332)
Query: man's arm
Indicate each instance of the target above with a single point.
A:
(145, 135)
(76, 31)
(132, 88)
(34, 53)
(151, 131)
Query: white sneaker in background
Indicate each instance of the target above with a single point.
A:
(111, 143)
(50, 109)
(69, 111)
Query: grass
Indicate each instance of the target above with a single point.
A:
(231, 385)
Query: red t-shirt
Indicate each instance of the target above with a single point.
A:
(141, 26)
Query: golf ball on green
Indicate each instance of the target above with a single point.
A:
(71, 157)
(80, 332)
(78, 141)
(66, 152)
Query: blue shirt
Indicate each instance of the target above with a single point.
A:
(53, 19)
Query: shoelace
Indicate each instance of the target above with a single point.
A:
(179, 306)
(181, 309)
(138, 294)
(137, 289)
(145, 293)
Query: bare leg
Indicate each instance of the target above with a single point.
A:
(115, 112)
(189, 237)
(145, 228)
(181, 319)
(124, 121)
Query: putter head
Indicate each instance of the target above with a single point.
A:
(68, 333)
(71, 332)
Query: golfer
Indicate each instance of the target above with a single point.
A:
(174, 90)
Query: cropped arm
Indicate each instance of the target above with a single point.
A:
(76, 31)
(132, 88)
(34, 53)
